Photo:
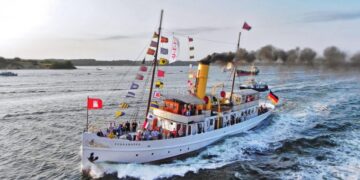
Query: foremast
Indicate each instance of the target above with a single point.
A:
(154, 65)
(235, 67)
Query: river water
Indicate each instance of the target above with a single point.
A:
(313, 134)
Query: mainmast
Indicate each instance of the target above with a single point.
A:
(154, 65)
(234, 75)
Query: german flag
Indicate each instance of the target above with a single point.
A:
(273, 98)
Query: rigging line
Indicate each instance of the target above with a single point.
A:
(203, 39)
(136, 113)
(133, 63)
(123, 76)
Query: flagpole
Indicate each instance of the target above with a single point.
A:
(154, 65)
(87, 115)
(234, 75)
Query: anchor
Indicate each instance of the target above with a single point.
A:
(92, 158)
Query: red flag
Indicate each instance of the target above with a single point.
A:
(143, 68)
(157, 94)
(161, 73)
(191, 39)
(139, 77)
(164, 39)
(146, 124)
(150, 51)
(94, 103)
(246, 26)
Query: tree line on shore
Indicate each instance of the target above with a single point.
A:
(269, 54)
(18, 63)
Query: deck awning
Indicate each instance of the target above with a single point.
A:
(189, 99)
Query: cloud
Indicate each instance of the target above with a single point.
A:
(185, 31)
(119, 37)
(196, 30)
(331, 16)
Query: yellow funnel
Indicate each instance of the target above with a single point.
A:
(201, 80)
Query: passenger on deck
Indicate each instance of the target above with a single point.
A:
(119, 130)
(100, 133)
(138, 135)
(154, 135)
(188, 110)
(127, 126)
(192, 110)
(111, 128)
(200, 110)
(173, 133)
(183, 110)
(128, 137)
(111, 135)
(147, 135)
(134, 126)
(180, 131)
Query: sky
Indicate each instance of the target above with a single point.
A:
(122, 29)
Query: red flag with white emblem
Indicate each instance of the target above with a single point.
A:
(94, 103)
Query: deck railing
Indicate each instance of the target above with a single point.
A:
(178, 117)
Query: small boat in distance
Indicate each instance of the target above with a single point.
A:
(257, 86)
(8, 73)
(253, 71)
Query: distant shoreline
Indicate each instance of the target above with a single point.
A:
(17, 63)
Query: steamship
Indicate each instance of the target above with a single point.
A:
(213, 119)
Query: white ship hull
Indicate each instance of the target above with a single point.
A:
(124, 151)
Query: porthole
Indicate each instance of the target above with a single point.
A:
(180, 150)
(152, 154)
(188, 148)
(168, 151)
(137, 154)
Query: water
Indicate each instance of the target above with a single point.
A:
(313, 134)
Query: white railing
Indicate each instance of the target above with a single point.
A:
(246, 105)
(177, 117)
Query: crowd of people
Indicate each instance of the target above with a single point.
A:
(116, 131)
(190, 110)
(131, 133)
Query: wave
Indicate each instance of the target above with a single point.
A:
(42, 112)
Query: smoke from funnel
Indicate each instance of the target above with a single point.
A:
(332, 57)
(219, 58)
